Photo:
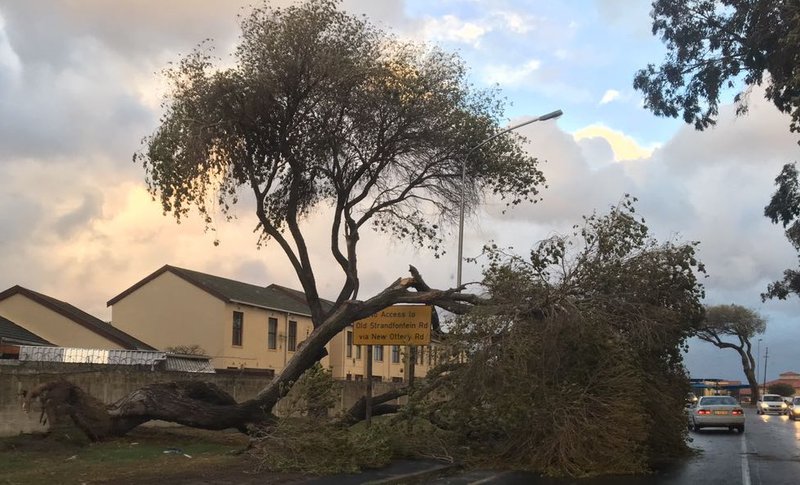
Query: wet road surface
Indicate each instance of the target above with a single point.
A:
(767, 453)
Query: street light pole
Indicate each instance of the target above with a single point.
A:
(548, 116)
(766, 357)
(758, 359)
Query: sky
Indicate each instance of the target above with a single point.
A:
(80, 87)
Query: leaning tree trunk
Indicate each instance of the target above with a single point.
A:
(750, 375)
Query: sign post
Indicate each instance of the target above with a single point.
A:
(368, 396)
(408, 325)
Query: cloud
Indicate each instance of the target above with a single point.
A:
(506, 75)
(453, 29)
(609, 96)
(623, 146)
(516, 22)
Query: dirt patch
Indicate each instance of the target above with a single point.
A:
(147, 455)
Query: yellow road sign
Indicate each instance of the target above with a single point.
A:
(395, 325)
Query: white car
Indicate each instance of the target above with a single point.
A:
(717, 412)
(794, 409)
(771, 403)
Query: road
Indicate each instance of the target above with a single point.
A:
(768, 453)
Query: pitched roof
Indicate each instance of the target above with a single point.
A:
(11, 332)
(273, 297)
(104, 329)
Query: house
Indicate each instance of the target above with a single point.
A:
(240, 325)
(12, 336)
(55, 322)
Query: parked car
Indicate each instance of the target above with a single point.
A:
(794, 409)
(717, 412)
(691, 399)
(771, 403)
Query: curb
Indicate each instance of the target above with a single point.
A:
(412, 477)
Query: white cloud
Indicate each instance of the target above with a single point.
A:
(506, 75)
(623, 146)
(517, 23)
(9, 60)
(609, 96)
(453, 29)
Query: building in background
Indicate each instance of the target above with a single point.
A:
(55, 322)
(243, 326)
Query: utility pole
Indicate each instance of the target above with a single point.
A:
(758, 361)
(766, 357)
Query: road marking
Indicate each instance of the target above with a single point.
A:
(745, 463)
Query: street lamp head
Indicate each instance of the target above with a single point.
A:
(550, 116)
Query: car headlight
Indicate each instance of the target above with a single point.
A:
(764, 405)
(783, 404)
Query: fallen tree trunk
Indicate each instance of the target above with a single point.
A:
(191, 403)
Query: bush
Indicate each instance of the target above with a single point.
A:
(781, 388)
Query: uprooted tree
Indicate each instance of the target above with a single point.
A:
(322, 112)
(575, 366)
(733, 327)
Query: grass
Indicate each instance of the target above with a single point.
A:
(137, 458)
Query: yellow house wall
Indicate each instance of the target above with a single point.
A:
(254, 351)
(50, 325)
(170, 311)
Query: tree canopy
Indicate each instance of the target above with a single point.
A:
(323, 110)
(719, 45)
(784, 208)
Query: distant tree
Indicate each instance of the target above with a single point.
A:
(733, 327)
(193, 349)
(784, 208)
(782, 389)
(718, 45)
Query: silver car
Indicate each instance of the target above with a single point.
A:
(716, 412)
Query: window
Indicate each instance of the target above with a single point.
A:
(358, 352)
(272, 333)
(349, 344)
(377, 353)
(395, 354)
(420, 355)
(238, 328)
(291, 342)
(377, 379)
(397, 379)
(359, 377)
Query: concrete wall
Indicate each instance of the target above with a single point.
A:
(110, 383)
